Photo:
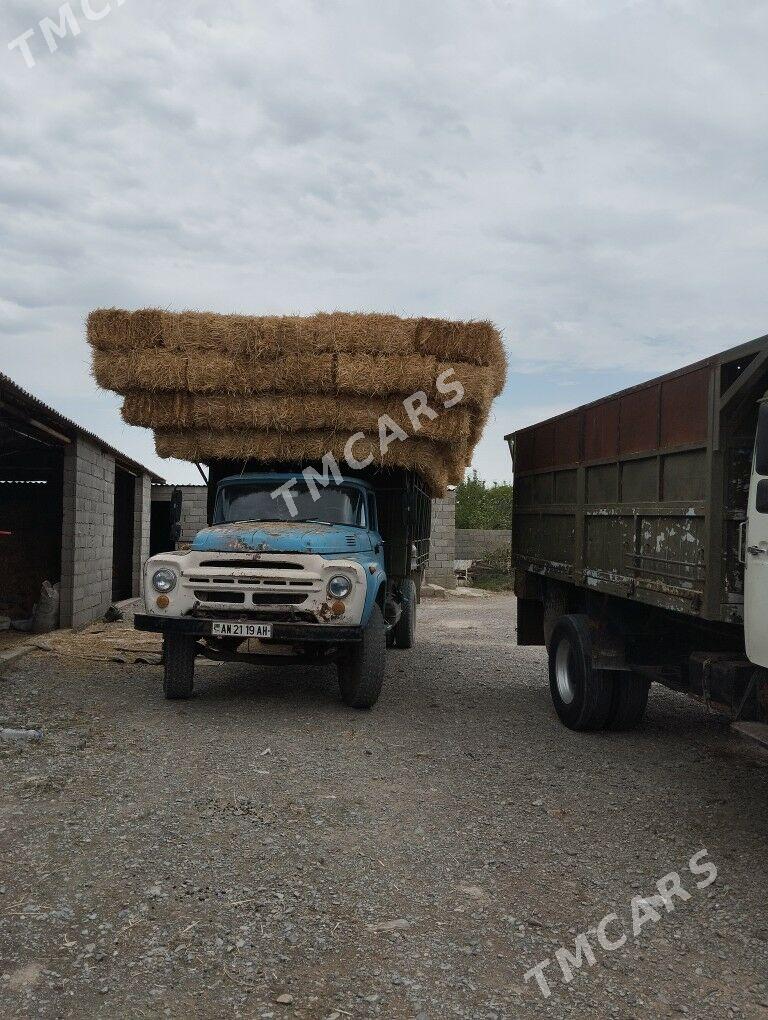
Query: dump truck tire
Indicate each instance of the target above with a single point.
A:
(581, 695)
(404, 631)
(178, 666)
(628, 702)
(361, 671)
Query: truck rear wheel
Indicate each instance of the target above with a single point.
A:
(179, 666)
(404, 631)
(628, 702)
(361, 671)
(581, 694)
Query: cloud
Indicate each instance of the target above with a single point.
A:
(589, 175)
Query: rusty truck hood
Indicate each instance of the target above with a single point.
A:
(283, 536)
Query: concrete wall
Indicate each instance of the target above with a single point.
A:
(442, 548)
(194, 507)
(86, 554)
(142, 516)
(475, 543)
(88, 532)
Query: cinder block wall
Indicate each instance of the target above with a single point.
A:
(442, 551)
(475, 543)
(86, 554)
(142, 517)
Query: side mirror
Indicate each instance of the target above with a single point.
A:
(761, 440)
(761, 499)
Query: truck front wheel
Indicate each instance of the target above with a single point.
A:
(361, 670)
(404, 631)
(179, 666)
(581, 695)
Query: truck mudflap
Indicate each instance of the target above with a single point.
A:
(282, 633)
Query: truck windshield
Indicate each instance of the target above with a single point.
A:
(254, 502)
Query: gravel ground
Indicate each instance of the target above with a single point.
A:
(262, 851)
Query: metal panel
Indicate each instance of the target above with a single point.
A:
(685, 408)
(544, 445)
(542, 489)
(603, 484)
(684, 476)
(565, 486)
(568, 431)
(640, 480)
(671, 550)
(601, 431)
(524, 459)
(606, 542)
(639, 420)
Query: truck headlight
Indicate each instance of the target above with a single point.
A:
(339, 586)
(164, 579)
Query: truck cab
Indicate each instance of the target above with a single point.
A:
(288, 571)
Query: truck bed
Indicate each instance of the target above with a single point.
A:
(642, 494)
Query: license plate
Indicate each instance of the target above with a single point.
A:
(242, 630)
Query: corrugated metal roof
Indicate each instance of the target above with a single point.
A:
(9, 390)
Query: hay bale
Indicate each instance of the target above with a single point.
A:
(113, 329)
(294, 387)
(204, 445)
(221, 411)
(300, 373)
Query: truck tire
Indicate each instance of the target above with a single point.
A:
(581, 694)
(178, 666)
(404, 631)
(361, 671)
(628, 702)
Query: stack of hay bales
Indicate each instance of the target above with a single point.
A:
(293, 388)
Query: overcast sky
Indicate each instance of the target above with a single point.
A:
(593, 176)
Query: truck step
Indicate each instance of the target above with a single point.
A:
(754, 731)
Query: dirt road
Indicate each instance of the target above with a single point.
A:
(264, 852)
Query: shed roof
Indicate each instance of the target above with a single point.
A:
(14, 398)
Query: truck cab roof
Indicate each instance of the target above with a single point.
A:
(279, 477)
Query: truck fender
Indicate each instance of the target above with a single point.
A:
(376, 595)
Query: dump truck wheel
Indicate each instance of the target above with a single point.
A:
(361, 671)
(178, 666)
(404, 631)
(628, 702)
(581, 694)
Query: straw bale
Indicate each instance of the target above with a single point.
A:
(294, 373)
(419, 455)
(300, 412)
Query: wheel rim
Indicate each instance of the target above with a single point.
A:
(564, 672)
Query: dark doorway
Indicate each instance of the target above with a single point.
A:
(165, 523)
(31, 515)
(122, 548)
(160, 540)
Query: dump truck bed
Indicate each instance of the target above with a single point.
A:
(642, 494)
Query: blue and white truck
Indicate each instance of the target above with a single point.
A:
(294, 567)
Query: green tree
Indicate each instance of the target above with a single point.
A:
(480, 505)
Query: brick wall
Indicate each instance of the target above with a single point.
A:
(442, 547)
(86, 557)
(476, 543)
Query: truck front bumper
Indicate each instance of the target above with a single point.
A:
(282, 633)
